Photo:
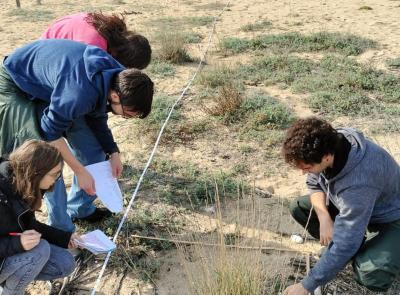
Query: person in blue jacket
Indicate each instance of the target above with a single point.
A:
(353, 207)
(73, 86)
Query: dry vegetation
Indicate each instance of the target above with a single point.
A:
(217, 177)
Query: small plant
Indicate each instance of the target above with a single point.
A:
(161, 69)
(273, 69)
(193, 37)
(256, 26)
(225, 103)
(261, 112)
(240, 168)
(220, 75)
(171, 23)
(365, 7)
(199, 20)
(172, 48)
(191, 187)
(394, 63)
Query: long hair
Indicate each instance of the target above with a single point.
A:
(111, 27)
(130, 49)
(30, 163)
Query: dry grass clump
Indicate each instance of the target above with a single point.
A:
(172, 48)
(227, 101)
(227, 259)
(233, 275)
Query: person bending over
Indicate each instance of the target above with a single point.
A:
(109, 32)
(61, 91)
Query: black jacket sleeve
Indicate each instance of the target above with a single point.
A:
(10, 246)
(51, 234)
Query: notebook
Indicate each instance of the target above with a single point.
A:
(107, 188)
(96, 242)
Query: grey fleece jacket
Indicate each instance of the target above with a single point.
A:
(366, 191)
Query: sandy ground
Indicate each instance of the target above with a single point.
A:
(211, 152)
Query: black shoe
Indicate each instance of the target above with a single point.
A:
(98, 215)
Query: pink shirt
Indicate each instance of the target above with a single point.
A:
(74, 27)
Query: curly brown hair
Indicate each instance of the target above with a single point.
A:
(308, 140)
(127, 47)
(30, 163)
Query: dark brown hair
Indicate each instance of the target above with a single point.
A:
(308, 140)
(30, 163)
(130, 49)
(135, 90)
(134, 52)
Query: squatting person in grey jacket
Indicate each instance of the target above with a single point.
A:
(353, 206)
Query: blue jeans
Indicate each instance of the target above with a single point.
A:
(44, 262)
(61, 208)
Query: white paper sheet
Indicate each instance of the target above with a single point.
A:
(107, 188)
(96, 242)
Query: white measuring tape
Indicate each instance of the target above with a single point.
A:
(212, 31)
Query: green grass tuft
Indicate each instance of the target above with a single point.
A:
(257, 26)
(188, 186)
(394, 63)
(337, 85)
(218, 76)
(346, 44)
(161, 69)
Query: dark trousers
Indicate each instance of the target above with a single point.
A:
(377, 263)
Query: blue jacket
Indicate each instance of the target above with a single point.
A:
(366, 191)
(72, 79)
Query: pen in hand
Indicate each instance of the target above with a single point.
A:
(14, 234)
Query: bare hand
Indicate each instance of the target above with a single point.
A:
(72, 243)
(86, 182)
(30, 239)
(325, 230)
(296, 289)
(116, 165)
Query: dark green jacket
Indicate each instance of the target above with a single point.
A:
(18, 119)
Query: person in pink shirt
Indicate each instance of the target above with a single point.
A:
(107, 32)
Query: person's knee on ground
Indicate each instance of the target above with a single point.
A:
(374, 277)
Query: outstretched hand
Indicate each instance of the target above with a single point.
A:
(116, 165)
(86, 182)
(296, 289)
(325, 230)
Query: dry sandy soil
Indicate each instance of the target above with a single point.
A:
(219, 149)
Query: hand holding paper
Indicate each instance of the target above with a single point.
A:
(107, 188)
(96, 242)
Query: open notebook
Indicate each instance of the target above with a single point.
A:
(96, 242)
(107, 188)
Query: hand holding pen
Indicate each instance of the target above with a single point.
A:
(29, 238)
